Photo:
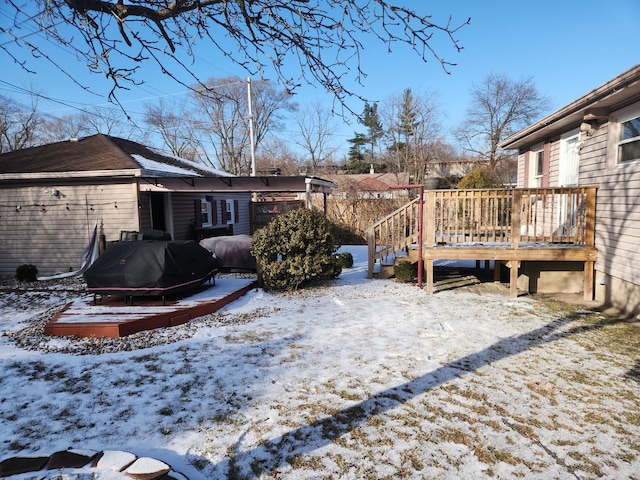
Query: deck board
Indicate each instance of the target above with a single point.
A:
(110, 316)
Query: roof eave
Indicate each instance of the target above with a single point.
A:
(612, 95)
(67, 175)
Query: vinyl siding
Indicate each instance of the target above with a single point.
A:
(184, 212)
(618, 204)
(52, 232)
(522, 164)
(618, 209)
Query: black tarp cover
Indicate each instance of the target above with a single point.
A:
(150, 267)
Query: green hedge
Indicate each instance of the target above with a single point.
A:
(295, 248)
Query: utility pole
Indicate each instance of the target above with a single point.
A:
(251, 139)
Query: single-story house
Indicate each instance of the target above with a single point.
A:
(368, 185)
(595, 140)
(52, 196)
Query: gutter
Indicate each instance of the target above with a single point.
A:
(66, 175)
(612, 87)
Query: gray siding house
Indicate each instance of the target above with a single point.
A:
(52, 196)
(595, 140)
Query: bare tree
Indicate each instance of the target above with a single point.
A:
(174, 124)
(499, 107)
(222, 120)
(412, 126)
(315, 132)
(108, 121)
(19, 125)
(324, 39)
(62, 128)
(276, 157)
(88, 121)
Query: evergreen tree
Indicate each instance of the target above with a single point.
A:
(357, 148)
(371, 120)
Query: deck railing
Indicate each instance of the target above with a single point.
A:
(511, 217)
(395, 232)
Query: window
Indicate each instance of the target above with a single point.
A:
(539, 163)
(231, 211)
(206, 217)
(536, 167)
(629, 140)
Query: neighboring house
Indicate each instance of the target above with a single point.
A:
(52, 196)
(368, 185)
(451, 168)
(595, 140)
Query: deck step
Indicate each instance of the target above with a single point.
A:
(387, 270)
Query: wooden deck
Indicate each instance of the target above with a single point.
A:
(112, 316)
(508, 226)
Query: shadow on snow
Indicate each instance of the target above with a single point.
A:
(281, 450)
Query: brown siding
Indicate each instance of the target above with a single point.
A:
(51, 232)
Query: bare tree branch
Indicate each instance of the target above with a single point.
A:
(323, 38)
(500, 107)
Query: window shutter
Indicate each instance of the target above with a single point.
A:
(198, 212)
(236, 210)
(214, 212)
(546, 161)
(225, 215)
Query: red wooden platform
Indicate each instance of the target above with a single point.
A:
(111, 316)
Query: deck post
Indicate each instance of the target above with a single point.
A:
(590, 241)
(516, 220)
(371, 253)
(428, 264)
(589, 268)
(513, 265)
(497, 264)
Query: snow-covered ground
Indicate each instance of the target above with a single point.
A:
(357, 379)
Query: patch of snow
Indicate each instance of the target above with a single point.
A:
(355, 378)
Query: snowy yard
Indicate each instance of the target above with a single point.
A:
(359, 379)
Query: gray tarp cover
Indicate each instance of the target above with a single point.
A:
(233, 252)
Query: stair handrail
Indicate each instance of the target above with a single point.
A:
(386, 236)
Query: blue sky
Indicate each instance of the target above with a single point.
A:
(568, 47)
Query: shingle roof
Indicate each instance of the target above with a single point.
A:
(373, 185)
(95, 153)
(377, 182)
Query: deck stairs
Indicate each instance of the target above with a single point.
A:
(516, 228)
(395, 238)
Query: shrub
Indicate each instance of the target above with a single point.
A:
(295, 248)
(404, 271)
(26, 273)
(480, 177)
(345, 259)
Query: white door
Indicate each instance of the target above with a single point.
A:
(569, 168)
(569, 176)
